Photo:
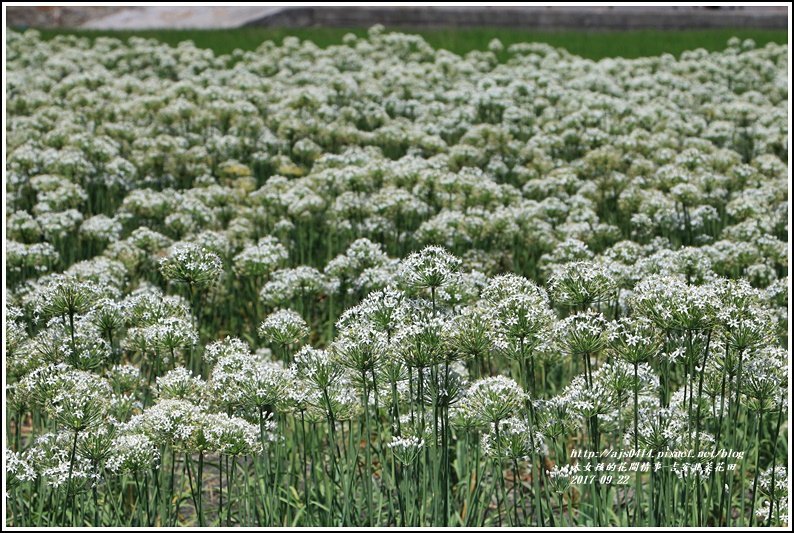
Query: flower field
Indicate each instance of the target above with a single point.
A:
(381, 284)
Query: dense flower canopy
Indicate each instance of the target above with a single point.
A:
(373, 259)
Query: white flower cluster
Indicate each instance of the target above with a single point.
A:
(190, 264)
(406, 449)
(284, 327)
(495, 398)
(18, 469)
(382, 246)
(132, 453)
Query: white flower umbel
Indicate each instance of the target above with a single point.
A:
(283, 327)
(406, 449)
(192, 265)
